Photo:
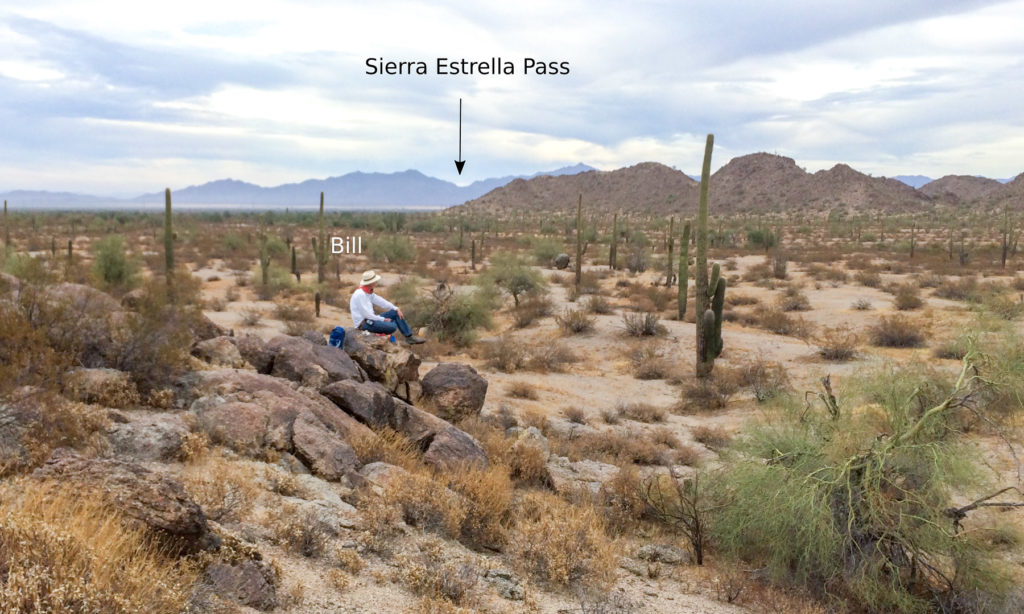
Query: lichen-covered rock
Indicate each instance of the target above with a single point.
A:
(153, 500)
(455, 390)
(219, 352)
(247, 582)
(108, 387)
(561, 261)
(146, 436)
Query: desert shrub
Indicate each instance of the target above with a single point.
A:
(290, 312)
(388, 446)
(847, 509)
(528, 465)
(648, 363)
(64, 552)
(793, 299)
(636, 259)
(301, 532)
(618, 447)
(739, 300)
(821, 272)
(520, 389)
(779, 322)
(837, 343)
(868, 278)
(709, 393)
(443, 584)
(562, 544)
(427, 504)
(861, 304)
(642, 324)
(513, 275)
(896, 331)
(544, 250)
(111, 266)
(453, 317)
(533, 306)
(391, 249)
(252, 316)
(1003, 305)
(659, 296)
(505, 354)
(224, 489)
(764, 378)
(714, 437)
(959, 289)
(550, 358)
(640, 411)
(598, 304)
(907, 297)
(51, 422)
(487, 494)
(953, 348)
(575, 321)
(575, 414)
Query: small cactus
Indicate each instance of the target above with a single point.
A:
(316, 302)
(684, 270)
(613, 251)
(320, 249)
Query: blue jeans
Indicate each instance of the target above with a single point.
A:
(386, 328)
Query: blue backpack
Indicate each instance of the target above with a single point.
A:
(337, 337)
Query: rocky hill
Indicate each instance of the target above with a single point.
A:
(962, 188)
(755, 182)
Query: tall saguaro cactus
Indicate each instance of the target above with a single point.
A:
(168, 244)
(710, 294)
(669, 268)
(684, 269)
(7, 235)
(613, 250)
(579, 242)
(320, 249)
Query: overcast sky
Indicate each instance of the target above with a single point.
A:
(116, 97)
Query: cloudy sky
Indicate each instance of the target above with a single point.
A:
(115, 97)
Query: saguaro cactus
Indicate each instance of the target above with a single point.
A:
(472, 254)
(669, 269)
(579, 242)
(684, 270)
(613, 250)
(7, 232)
(913, 237)
(168, 244)
(320, 249)
(264, 257)
(295, 267)
(316, 302)
(710, 294)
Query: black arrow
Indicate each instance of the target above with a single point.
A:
(460, 162)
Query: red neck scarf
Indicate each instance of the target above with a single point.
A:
(367, 289)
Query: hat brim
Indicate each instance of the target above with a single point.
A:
(373, 280)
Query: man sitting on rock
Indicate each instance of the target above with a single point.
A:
(363, 317)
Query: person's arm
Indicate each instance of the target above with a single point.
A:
(382, 302)
(363, 308)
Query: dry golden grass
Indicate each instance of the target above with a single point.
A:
(225, 489)
(488, 496)
(562, 544)
(388, 446)
(62, 552)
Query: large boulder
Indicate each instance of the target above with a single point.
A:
(203, 328)
(452, 448)
(254, 351)
(219, 352)
(561, 261)
(383, 361)
(148, 436)
(238, 573)
(108, 387)
(454, 390)
(150, 499)
(368, 402)
(299, 360)
(254, 413)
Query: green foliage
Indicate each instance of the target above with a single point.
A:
(111, 266)
(391, 249)
(821, 499)
(544, 250)
(513, 275)
(452, 317)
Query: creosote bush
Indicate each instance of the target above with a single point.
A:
(575, 321)
(896, 331)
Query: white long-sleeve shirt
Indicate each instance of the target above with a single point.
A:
(362, 304)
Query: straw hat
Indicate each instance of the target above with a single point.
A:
(369, 277)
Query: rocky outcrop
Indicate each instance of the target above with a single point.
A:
(253, 413)
(384, 362)
(146, 436)
(315, 366)
(152, 500)
(443, 445)
(455, 390)
(255, 352)
(566, 476)
(248, 582)
(219, 352)
(107, 387)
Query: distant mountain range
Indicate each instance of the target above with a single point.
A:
(754, 182)
(758, 182)
(407, 189)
